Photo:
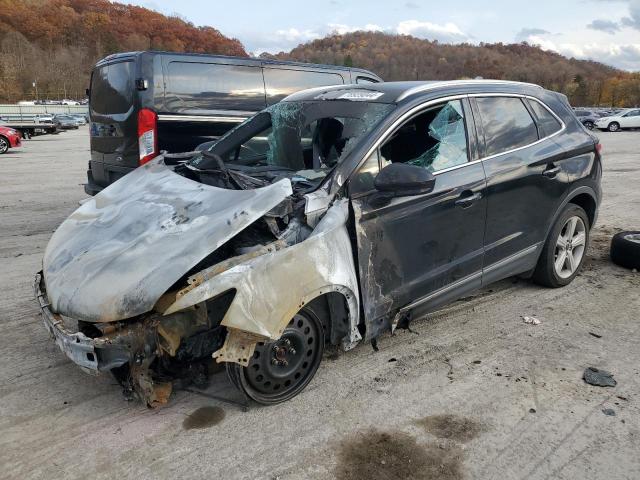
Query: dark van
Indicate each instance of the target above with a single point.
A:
(141, 103)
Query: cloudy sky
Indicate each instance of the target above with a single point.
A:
(604, 30)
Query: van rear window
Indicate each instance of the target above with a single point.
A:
(200, 87)
(112, 88)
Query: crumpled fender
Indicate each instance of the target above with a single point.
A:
(273, 287)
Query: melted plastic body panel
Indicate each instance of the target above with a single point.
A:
(272, 287)
(119, 252)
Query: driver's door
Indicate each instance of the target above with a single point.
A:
(420, 251)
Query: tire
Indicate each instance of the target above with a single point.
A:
(589, 125)
(4, 145)
(281, 369)
(625, 249)
(564, 249)
(613, 127)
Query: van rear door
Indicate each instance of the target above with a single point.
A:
(113, 129)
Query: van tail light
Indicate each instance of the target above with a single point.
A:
(147, 135)
(599, 148)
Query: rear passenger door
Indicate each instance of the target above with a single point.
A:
(525, 180)
(281, 82)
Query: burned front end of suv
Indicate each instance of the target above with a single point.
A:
(215, 253)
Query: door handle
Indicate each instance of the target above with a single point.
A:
(551, 171)
(468, 198)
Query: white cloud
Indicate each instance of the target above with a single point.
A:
(525, 33)
(449, 32)
(286, 39)
(624, 56)
(341, 28)
(295, 35)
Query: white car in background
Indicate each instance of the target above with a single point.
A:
(629, 118)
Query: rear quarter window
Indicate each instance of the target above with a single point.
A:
(281, 82)
(200, 88)
(112, 88)
(507, 124)
(547, 123)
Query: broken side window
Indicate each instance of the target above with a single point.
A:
(435, 139)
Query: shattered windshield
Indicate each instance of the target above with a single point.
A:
(302, 140)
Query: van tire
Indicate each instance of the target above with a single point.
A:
(546, 272)
(625, 249)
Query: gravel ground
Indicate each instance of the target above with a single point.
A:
(473, 393)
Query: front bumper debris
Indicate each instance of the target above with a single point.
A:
(92, 355)
(79, 348)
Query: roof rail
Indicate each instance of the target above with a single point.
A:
(452, 83)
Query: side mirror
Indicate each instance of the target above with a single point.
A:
(402, 179)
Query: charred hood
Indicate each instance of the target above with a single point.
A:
(119, 252)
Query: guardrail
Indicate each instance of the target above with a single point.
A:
(26, 113)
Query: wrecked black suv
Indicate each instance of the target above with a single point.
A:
(329, 218)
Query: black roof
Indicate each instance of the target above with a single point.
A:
(396, 92)
(128, 55)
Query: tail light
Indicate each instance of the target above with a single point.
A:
(599, 148)
(147, 135)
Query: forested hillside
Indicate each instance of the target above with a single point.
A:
(56, 42)
(402, 57)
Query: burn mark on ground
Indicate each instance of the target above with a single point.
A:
(203, 417)
(451, 427)
(393, 455)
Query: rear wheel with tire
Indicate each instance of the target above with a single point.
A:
(564, 249)
(613, 127)
(625, 249)
(589, 125)
(281, 369)
(4, 145)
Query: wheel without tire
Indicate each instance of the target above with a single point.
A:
(564, 250)
(281, 369)
(625, 249)
(613, 127)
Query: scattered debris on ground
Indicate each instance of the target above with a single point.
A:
(530, 320)
(609, 412)
(595, 335)
(599, 378)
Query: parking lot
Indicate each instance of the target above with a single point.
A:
(471, 392)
